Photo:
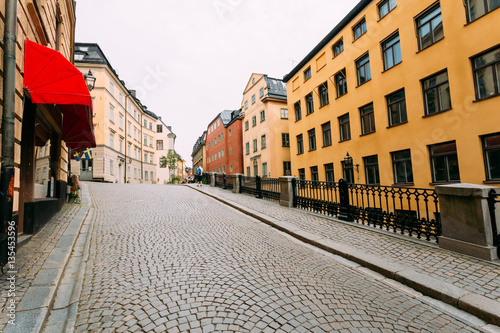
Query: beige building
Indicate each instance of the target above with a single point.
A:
(199, 154)
(125, 129)
(165, 141)
(266, 141)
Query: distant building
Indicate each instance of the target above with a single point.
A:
(165, 141)
(224, 142)
(266, 136)
(410, 89)
(199, 154)
(124, 130)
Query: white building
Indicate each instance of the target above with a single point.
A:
(165, 140)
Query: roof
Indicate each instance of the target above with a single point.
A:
(199, 143)
(328, 38)
(227, 117)
(276, 88)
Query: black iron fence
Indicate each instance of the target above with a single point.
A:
(248, 185)
(224, 181)
(414, 211)
(266, 188)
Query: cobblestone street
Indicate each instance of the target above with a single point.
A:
(170, 259)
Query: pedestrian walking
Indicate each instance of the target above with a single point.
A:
(199, 174)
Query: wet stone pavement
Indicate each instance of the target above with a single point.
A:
(170, 259)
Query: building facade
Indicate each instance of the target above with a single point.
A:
(199, 154)
(39, 136)
(265, 127)
(224, 142)
(125, 129)
(409, 89)
(165, 141)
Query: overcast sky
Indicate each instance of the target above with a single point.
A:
(191, 59)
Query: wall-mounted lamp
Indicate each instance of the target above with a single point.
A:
(89, 80)
(348, 162)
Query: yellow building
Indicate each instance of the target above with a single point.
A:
(266, 141)
(410, 89)
(199, 154)
(125, 129)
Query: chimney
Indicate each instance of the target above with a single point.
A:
(132, 92)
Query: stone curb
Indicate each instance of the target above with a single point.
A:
(34, 308)
(477, 305)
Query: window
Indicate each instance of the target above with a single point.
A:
(429, 27)
(312, 139)
(396, 106)
(262, 115)
(285, 140)
(230, 150)
(363, 69)
(254, 121)
(338, 47)
(135, 114)
(151, 161)
(129, 149)
(314, 174)
(253, 99)
(491, 150)
(145, 157)
(307, 74)
(129, 125)
(248, 171)
(254, 145)
(264, 169)
(444, 162)
(359, 29)
(112, 140)
(385, 7)
(263, 141)
(371, 170)
(246, 125)
(159, 144)
(436, 93)
(218, 138)
(478, 8)
(111, 113)
(329, 173)
(309, 103)
(486, 68)
(284, 113)
(302, 174)
(222, 136)
(344, 127)
(120, 120)
(146, 175)
(391, 51)
(246, 105)
(300, 144)
(145, 123)
(151, 141)
(401, 165)
(145, 140)
(159, 128)
(298, 113)
(111, 88)
(341, 83)
(111, 171)
(367, 119)
(261, 92)
(348, 172)
(150, 126)
(287, 168)
(327, 134)
(229, 132)
(231, 168)
(120, 145)
(323, 94)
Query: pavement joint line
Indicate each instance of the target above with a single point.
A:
(37, 317)
(477, 305)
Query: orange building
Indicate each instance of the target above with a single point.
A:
(409, 89)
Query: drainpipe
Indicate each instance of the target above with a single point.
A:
(125, 141)
(8, 117)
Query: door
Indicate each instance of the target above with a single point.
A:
(86, 172)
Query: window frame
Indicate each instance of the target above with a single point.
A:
(402, 163)
(262, 115)
(311, 134)
(365, 65)
(254, 121)
(397, 102)
(495, 73)
(371, 170)
(344, 127)
(285, 139)
(426, 14)
(361, 24)
(307, 73)
(323, 94)
(327, 134)
(298, 111)
(338, 45)
(329, 173)
(263, 143)
(284, 113)
(341, 83)
(446, 155)
(389, 9)
(486, 156)
(254, 145)
(391, 49)
(309, 104)
(487, 10)
(300, 144)
(435, 87)
(367, 119)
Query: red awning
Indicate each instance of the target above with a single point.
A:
(52, 79)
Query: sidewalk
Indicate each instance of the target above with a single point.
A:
(471, 284)
(40, 264)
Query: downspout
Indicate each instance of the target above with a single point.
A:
(8, 117)
(142, 145)
(125, 141)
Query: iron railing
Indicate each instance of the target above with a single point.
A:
(414, 211)
(248, 185)
(270, 188)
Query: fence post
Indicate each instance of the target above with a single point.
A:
(287, 191)
(236, 183)
(258, 185)
(344, 211)
(240, 182)
(466, 220)
(213, 175)
(223, 181)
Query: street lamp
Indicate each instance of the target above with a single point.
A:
(348, 161)
(90, 80)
